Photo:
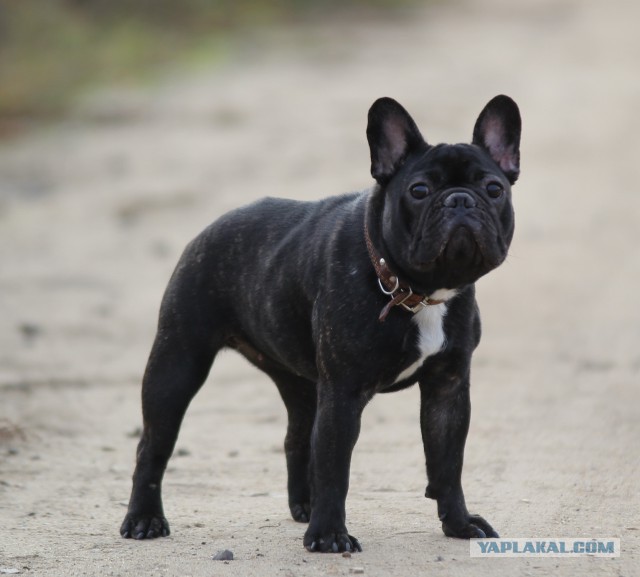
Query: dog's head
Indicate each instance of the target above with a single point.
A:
(446, 211)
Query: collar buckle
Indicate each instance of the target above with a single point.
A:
(421, 305)
(400, 296)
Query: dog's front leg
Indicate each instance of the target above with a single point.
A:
(444, 419)
(335, 432)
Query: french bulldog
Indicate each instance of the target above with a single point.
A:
(337, 300)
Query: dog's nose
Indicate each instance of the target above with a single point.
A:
(460, 199)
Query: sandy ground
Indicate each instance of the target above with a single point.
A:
(94, 213)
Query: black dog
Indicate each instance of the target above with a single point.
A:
(336, 301)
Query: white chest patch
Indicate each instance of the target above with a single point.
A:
(431, 338)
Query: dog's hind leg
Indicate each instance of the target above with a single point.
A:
(183, 351)
(299, 396)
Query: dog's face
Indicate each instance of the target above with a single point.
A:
(447, 217)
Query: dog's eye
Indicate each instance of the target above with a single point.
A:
(494, 189)
(419, 191)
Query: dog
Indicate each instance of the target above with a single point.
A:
(337, 300)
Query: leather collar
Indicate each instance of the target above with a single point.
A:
(399, 292)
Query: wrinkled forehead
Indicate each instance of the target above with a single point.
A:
(454, 162)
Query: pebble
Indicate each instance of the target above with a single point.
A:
(225, 555)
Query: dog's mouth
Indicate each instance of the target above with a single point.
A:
(462, 248)
(462, 256)
(456, 253)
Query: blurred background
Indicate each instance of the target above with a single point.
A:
(127, 126)
(53, 50)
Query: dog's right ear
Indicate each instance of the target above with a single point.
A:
(391, 133)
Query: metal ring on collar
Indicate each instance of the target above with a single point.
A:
(393, 290)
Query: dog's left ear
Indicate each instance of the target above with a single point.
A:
(497, 130)
(392, 134)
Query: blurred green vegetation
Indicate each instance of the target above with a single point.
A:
(50, 50)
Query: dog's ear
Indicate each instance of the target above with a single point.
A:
(497, 130)
(392, 134)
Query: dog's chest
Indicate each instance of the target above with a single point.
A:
(430, 339)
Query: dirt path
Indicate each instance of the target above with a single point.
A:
(94, 214)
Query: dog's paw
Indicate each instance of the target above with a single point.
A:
(331, 543)
(144, 527)
(473, 527)
(301, 512)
